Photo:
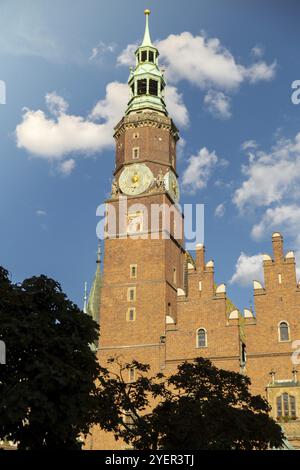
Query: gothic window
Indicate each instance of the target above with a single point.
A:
(133, 271)
(151, 56)
(153, 87)
(284, 334)
(286, 406)
(142, 86)
(135, 152)
(279, 406)
(201, 338)
(292, 406)
(131, 314)
(143, 56)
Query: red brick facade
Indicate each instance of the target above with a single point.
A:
(162, 307)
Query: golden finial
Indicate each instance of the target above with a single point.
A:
(147, 11)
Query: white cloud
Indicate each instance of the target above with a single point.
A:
(66, 167)
(199, 170)
(249, 144)
(101, 49)
(40, 212)
(257, 51)
(260, 72)
(220, 210)
(273, 181)
(55, 137)
(112, 108)
(176, 106)
(56, 104)
(272, 176)
(203, 61)
(286, 217)
(218, 104)
(247, 269)
(127, 56)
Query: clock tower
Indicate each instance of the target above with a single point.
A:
(144, 258)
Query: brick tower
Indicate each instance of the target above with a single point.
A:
(143, 260)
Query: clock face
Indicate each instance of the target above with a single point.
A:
(135, 179)
(172, 186)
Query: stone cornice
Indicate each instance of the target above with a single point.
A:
(155, 120)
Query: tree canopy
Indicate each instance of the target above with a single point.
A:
(48, 388)
(198, 407)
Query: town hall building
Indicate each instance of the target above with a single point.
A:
(156, 303)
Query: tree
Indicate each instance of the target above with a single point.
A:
(47, 387)
(198, 407)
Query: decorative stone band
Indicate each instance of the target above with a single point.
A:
(154, 120)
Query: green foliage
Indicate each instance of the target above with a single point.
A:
(47, 388)
(199, 407)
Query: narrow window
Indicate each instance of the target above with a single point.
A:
(292, 406)
(243, 354)
(279, 279)
(284, 334)
(135, 152)
(285, 399)
(135, 135)
(131, 314)
(201, 338)
(144, 56)
(174, 276)
(133, 271)
(153, 87)
(151, 56)
(131, 294)
(142, 86)
(279, 407)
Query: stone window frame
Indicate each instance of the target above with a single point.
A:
(197, 337)
(129, 310)
(133, 266)
(135, 153)
(129, 290)
(279, 332)
(135, 135)
(283, 411)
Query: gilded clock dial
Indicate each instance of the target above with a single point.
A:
(172, 186)
(135, 179)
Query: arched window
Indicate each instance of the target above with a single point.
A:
(153, 87)
(284, 333)
(142, 86)
(286, 406)
(201, 338)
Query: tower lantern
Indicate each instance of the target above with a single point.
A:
(146, 80)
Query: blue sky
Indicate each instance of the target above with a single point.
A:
(230, 66)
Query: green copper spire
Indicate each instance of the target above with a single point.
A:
(93, 304)
(146, 80)
(147, 39)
